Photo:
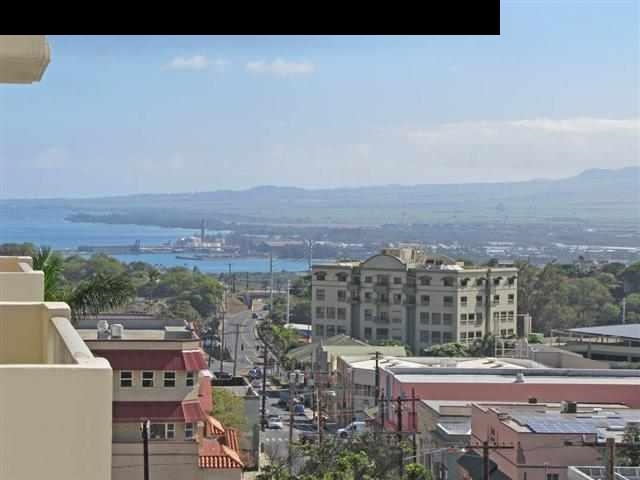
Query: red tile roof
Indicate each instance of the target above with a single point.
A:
(190, 411)
(212, 454)
(205, 394)
(192, 360)
(214, 427)
(231, 439)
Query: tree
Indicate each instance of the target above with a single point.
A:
(527, 278)
(447, 350)
(18, 249)
(393, 343)
(587, 295)
(228, 408)
(630, 455)
(90, 297)
(416, 471)
(483, 347)
(631, 278)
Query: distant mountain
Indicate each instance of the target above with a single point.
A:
(596, 195)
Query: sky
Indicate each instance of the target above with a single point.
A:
(558, 92)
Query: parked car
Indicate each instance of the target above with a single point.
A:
(298, 409)
(353, 427)
(274, 422)
(222, 376)
(254, 315)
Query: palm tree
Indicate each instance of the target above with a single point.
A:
(90, 297)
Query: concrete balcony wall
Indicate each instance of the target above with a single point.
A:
(55, 397)
(18, 281)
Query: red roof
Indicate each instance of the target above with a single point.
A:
(190, 411)
(205, 394)
(212, 454)
(192, 360)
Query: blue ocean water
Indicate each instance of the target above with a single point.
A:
(47, 226)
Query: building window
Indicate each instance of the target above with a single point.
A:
(190, 380)
(463, 335)
(367, 296)
(331, 313)
(479, 282)
(478, 299)
(382, 333)
(435, 337)
(446, 337)
(320, 276)
(503, 316)
(447, 318)
(503, 332)
(496, 299)
(496, 316)
(368, 316)
(478, 317)
(368, 279)
(447, 301)
(319, 312)
(341, 329)
(463, 301)
(510, 331)
(496, 281)
(463, 318)
(147, 379)
(126, 379)
(397, 298)
(448, 281)
(425, 299)
(384, 317)
(511, 316)
(471, 317)
(320, 330)
(464, 282)
(424, 318)
(479, 334)
(342, 313)
(342, 277)
(382, 280)
(331, 330)
(435, 318)
(162, 431)
(424, 336)
(320, 294)
(553, 476)
(512, 281)
(188, 431)
(396, 320)
(510, 298)
(397, 280)
(169, 379)
(342, 295)
(425, 280)
(367, 333)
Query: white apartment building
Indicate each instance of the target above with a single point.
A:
(403, 294)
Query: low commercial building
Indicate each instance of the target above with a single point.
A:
(55, 395)
(614, 344)
(537, 436)
(160, 374)
(595, 472)
(505, 384)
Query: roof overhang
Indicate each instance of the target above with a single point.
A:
(23, 58)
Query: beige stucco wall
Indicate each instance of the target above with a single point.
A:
(55, 398)
(18, 282)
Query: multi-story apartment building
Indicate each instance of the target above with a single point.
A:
(160, 374)
(403, 294)
(55, 395)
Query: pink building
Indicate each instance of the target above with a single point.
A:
(504, 385)
(537, 434)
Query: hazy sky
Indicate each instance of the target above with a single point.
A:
(558, 92)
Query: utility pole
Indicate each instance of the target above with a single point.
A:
(319, 415)
(222, 346)
(288, 300)
(414, 424)
(485, 460)
(624, 310)
(247, 277)
(235, 348)
(292, 385)
(264, 385)
(145, 447)
(377, 390)
(271, 287)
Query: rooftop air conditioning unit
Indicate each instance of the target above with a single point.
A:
(103, 329)
(117, 330)
(519, 377)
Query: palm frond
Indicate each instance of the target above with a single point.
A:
(101, 293)
(52, 265)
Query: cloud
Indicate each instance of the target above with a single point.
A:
(280, 67)
(197, 63)
(584, 125)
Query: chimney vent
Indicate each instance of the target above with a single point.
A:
(103, 329)
(117, 330)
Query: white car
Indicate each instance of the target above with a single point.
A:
(274, 422)
(353, 427)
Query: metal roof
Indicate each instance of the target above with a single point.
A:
(627, 330)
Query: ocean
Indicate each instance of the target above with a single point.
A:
(47, 226)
